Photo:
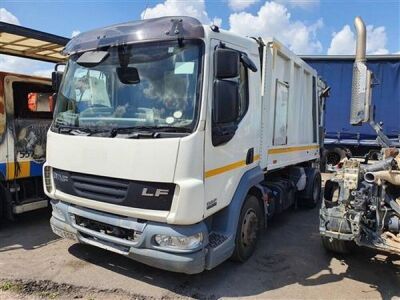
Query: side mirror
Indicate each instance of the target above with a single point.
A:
(56, 77)
(325, 92)
(226, 63)
(128, 75)
(225, 111)
(226, 101)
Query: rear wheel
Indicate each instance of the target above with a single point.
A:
(248, 231)
(337, 246)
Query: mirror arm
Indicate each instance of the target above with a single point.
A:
(247, 62)
(244, 59)
(57, 65)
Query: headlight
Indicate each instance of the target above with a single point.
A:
(179, 242)
(47, 179)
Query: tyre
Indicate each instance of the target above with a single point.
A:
(334, 156)
(311, 196)
(337, 246)
(248, 229)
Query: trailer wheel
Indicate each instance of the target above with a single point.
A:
(248, 230)
(337, 246)
(311, 195)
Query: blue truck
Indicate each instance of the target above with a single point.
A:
(342, 139)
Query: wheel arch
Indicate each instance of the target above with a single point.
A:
(225, 221)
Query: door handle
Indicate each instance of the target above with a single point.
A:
(250, 156)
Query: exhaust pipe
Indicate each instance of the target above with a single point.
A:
(361, 42)
(361, 85)
(376, 177)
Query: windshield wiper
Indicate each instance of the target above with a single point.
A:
(149, 131)
(75, 130)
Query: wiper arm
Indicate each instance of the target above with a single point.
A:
(75, 130)
(153, 130)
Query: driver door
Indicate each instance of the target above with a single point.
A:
(226, 163)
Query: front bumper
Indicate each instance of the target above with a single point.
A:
(142, 248)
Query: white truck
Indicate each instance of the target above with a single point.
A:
(173, 142)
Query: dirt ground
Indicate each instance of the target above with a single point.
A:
(289, 263)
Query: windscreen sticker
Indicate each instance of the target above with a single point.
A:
(178, 114)
(169, 120)
(184, 67)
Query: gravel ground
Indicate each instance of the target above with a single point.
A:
(289, 263)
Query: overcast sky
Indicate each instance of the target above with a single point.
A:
(305, 26)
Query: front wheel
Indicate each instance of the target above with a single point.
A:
(249, 228)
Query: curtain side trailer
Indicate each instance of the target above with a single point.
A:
(184, 140)
(342, 139)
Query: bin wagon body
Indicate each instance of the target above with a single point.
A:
(25, 116)
(26, 106)
(341, 138)
(185, 139)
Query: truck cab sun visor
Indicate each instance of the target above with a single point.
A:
(92, 58)
(135, 31)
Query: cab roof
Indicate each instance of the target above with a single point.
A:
(29, 43)
(165, 28)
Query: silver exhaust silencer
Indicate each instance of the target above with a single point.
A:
(361, 86)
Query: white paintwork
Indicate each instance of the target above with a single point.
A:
(221, 187)
(185, 161)
(114, 157)
(283, 66)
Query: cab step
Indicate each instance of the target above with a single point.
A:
(29, 205)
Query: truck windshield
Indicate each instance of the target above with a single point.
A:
(163, 93)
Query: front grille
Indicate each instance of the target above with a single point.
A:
(111, 230)
(99, 188)
(130, 193)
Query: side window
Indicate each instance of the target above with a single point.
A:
(243, 91)
(40, 102)
(33, 100)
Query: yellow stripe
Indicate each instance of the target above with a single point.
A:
(24, 170)
(292, 149)
(229, 167)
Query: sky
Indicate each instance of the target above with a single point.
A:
(312, 27)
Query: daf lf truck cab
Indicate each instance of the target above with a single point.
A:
(174, 142)
(26, 112)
